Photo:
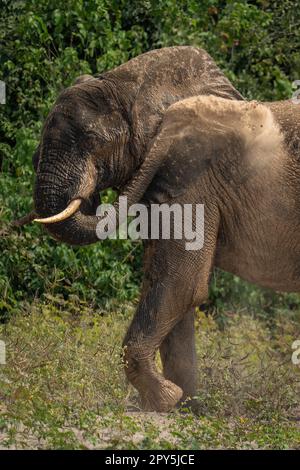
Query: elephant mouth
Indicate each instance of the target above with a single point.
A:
(89, 206)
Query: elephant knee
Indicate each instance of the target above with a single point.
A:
(137, 359)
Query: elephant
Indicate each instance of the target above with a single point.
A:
(169, 127)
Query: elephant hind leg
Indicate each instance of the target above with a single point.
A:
(178, 355)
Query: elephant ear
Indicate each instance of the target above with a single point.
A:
(237, 137)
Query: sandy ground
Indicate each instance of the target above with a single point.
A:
(161, 421)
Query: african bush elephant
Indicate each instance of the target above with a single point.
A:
(168, 126)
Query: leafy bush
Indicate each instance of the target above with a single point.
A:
(44, 45)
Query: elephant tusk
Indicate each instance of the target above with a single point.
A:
(65, 214)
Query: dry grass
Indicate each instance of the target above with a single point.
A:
(63, 384)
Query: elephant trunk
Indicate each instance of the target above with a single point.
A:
(70, 190)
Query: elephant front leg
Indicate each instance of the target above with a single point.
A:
(176, 281)
(151, 324)
(178, 355)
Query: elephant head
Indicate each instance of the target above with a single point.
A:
(97, 135)
(84, 140)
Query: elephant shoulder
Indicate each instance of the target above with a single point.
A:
(206, 131)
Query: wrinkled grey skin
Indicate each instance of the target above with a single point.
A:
(169, 127)
(107, 123)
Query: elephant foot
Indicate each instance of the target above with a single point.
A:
(162, 396)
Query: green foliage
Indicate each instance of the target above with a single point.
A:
(44, 45)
